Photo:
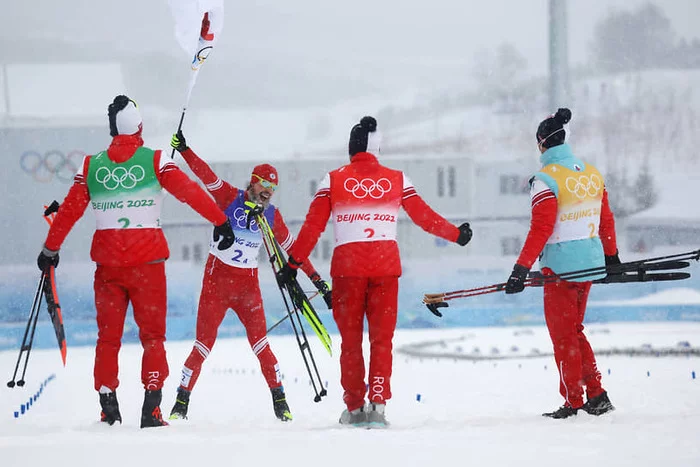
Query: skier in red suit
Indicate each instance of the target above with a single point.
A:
(572, 229)
(363, 200)
(231, 278)
(124, 185)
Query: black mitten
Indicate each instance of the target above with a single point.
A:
(465, 234)
(47, 258)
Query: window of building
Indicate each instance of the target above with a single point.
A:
(513, 185)
(185, 252)
(447, 183)
(510, 246)
(313, 187)
(451, 181)
(197, 254)
(440, 182)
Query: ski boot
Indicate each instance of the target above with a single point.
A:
(110, 409)
(376, 417)
(356, 417)
(151, 415)
(564, 411)
(599, 405)
(182, 402)
(279, 403)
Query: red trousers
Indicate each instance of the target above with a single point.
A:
(375, 298)
(564, 310)
(144, 287)
(227, 287)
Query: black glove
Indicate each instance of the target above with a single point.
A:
(324, 288)
(224, 230)
(516, 281)
(252, 211)
(286, 275)
(612, 260)
(47, 258)
(178, 141)
(465, 234)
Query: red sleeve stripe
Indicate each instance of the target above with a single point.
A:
(322, 192)
(215, 186)
(168, 167)
(409, 192)
(544, 195)
(287, 242)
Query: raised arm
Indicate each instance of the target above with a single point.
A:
(222, 191)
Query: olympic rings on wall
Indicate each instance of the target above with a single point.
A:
(53, 163)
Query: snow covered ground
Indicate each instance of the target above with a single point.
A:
(470, 412)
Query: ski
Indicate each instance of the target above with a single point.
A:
(641, 277)
(539, 279)
(50, 292)
(54, 309)
(633, 271)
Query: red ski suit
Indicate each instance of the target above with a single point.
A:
(227, 286)
(130, 266)
(565, 301)
(364, 198)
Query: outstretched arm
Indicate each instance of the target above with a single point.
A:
(314, 224)
(286, 239)
(424, 216)
(186, 190)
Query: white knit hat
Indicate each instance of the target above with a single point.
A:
(124, 116)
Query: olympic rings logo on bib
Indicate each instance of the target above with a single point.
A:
(368, 187)
(241, 218)
(584, 186)
(120, 177)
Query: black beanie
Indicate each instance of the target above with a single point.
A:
(551, 131)
(360, 138)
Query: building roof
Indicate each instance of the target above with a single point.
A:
(676, 202)
(58, 94)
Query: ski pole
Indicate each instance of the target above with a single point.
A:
(277, 261)
(677, 261)
(281, 320)
(28, 331)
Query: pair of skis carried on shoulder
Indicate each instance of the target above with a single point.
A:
(295, 301)
(47, 290)
(643, 270)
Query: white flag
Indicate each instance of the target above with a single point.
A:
(198, 24)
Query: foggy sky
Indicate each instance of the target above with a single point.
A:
(342, 49)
